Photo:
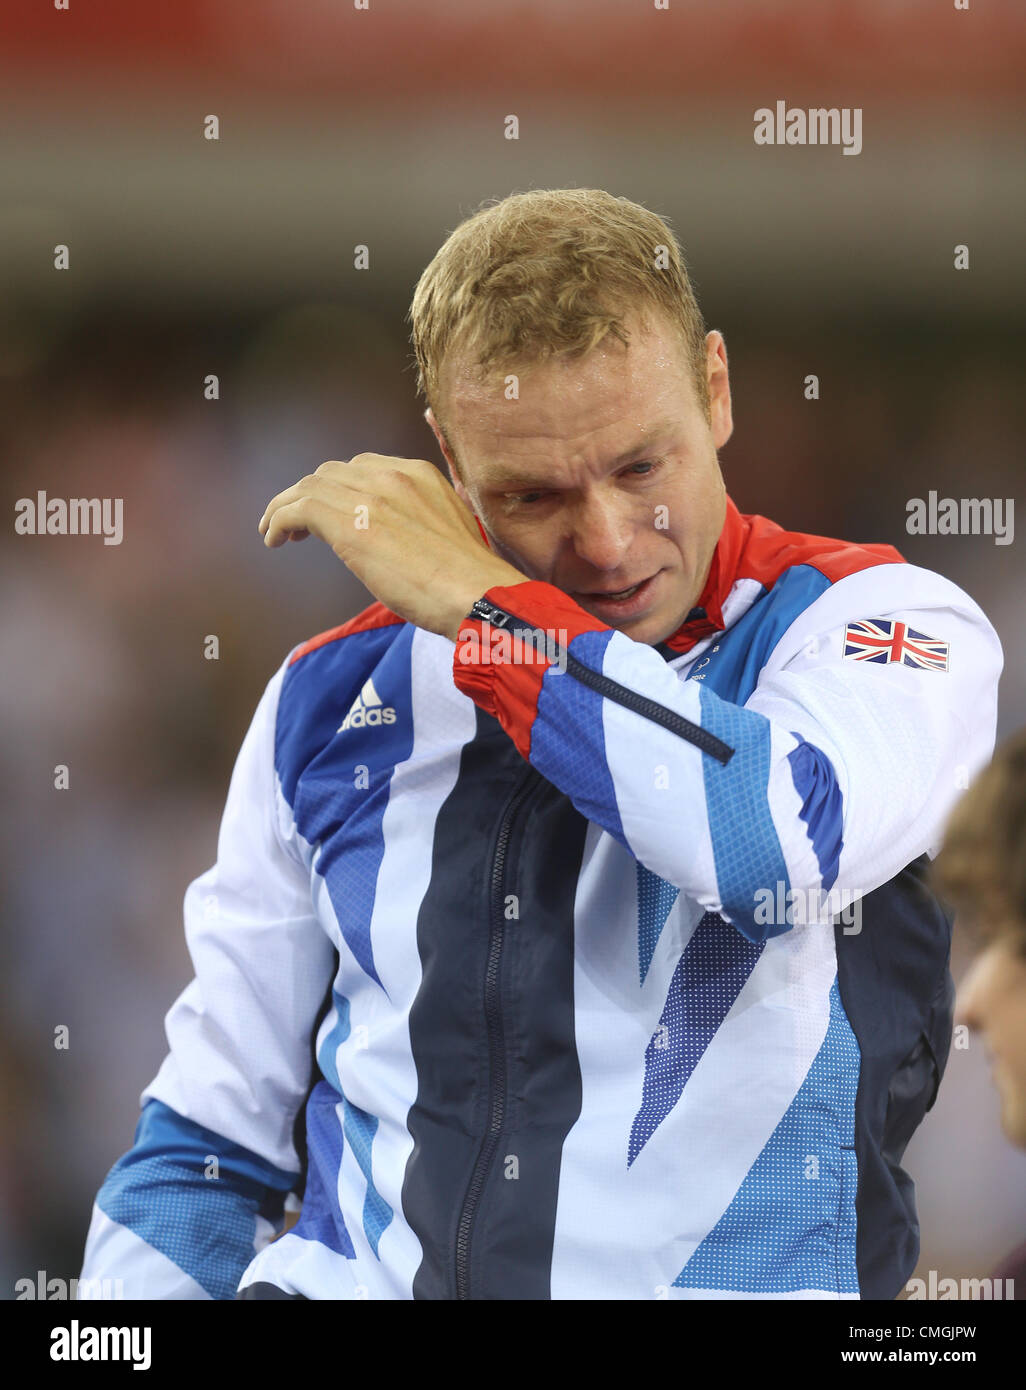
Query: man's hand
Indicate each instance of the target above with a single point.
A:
(401, 529)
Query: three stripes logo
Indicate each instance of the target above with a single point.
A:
(367, 710)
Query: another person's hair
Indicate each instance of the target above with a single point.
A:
(550, 272)
(981, 868)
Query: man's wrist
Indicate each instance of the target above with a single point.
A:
(501, 575)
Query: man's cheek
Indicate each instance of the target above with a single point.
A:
(521, 553)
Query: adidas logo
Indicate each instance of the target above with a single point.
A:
(367, 710)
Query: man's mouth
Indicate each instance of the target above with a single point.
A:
(615, 593)
(619, 603)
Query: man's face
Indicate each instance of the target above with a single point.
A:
(992, 1002)
(602, 476)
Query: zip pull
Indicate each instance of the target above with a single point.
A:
(692, 733)
(487, 613)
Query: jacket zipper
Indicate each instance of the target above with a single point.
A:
(496, 1039)
(612, 690)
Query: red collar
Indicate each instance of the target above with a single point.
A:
(707, 615)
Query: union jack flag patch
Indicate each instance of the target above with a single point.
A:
(882, 640)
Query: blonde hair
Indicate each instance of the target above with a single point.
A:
(550, 272)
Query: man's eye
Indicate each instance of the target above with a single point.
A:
(640, 470)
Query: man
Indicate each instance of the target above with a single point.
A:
(982, 869)
(591, 855)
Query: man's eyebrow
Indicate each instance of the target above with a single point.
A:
(510, 482)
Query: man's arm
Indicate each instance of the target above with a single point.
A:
(833, 775)
(182, 1213)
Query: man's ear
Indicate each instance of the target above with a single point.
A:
(443, 444)
(454, 471)
(721, 419)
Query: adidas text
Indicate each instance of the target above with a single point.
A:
(367, 710)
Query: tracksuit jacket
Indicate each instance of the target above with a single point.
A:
(575, 967)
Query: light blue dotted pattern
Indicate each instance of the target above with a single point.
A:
(360, 1127)
(787, 1229)
(205, 1226)
(334, 1040)
(579, 766)
(746, 849)
(709, 976)
(360, 1130)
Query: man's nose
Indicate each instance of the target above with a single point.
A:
(602, 533)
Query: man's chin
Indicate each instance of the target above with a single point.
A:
(1013, 1114)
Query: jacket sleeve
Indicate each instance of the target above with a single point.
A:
(830, 777)
(183, 1212)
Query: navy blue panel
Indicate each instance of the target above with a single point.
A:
(898, 995)
(266, 1291)
(511, 1236)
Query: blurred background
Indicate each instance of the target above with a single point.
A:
(188, 257)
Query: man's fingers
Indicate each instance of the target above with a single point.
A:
(283, 499)
(295, 521)
(316, 484)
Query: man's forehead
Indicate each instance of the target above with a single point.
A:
(580, 408)
(528, 461)
(654, 357)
